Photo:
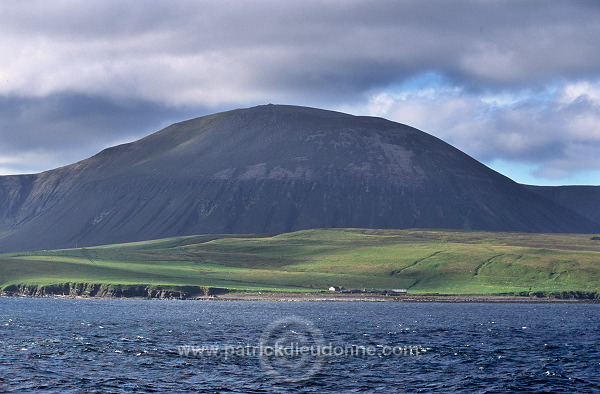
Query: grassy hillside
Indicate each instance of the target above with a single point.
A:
(423, 261)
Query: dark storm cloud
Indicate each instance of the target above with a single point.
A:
(318, 45)
(64, 128)
(163, 59)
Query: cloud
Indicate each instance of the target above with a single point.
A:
(556, 132)
(517, 74)
(42, 133)
(217, 52)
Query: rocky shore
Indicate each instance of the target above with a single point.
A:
(95, 290)
(99, 290)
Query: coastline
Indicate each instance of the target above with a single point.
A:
(335, 297)
(332, 297)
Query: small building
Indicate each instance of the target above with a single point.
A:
(400, 291)
(335, 288)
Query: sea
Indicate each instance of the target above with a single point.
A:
(125, 345)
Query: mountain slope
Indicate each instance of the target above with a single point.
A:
(269, 169)
(584, 200)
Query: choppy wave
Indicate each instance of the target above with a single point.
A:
(132, 345)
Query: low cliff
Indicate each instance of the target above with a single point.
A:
(111, 291)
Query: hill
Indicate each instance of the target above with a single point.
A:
(585, 200)
(422, 261)
(269, 169)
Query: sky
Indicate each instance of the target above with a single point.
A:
(514, 84)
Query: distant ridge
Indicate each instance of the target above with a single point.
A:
(585, 200)
(269, 169)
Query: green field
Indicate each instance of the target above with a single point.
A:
(422, 261)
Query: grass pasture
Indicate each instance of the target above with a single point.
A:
(423, 261)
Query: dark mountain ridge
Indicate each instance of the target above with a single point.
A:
(585, 200)
(269, 169)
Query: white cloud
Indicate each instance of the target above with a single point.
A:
(555, 138)
(587, 90)
(26, 162)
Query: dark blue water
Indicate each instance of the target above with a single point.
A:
(132, 345)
